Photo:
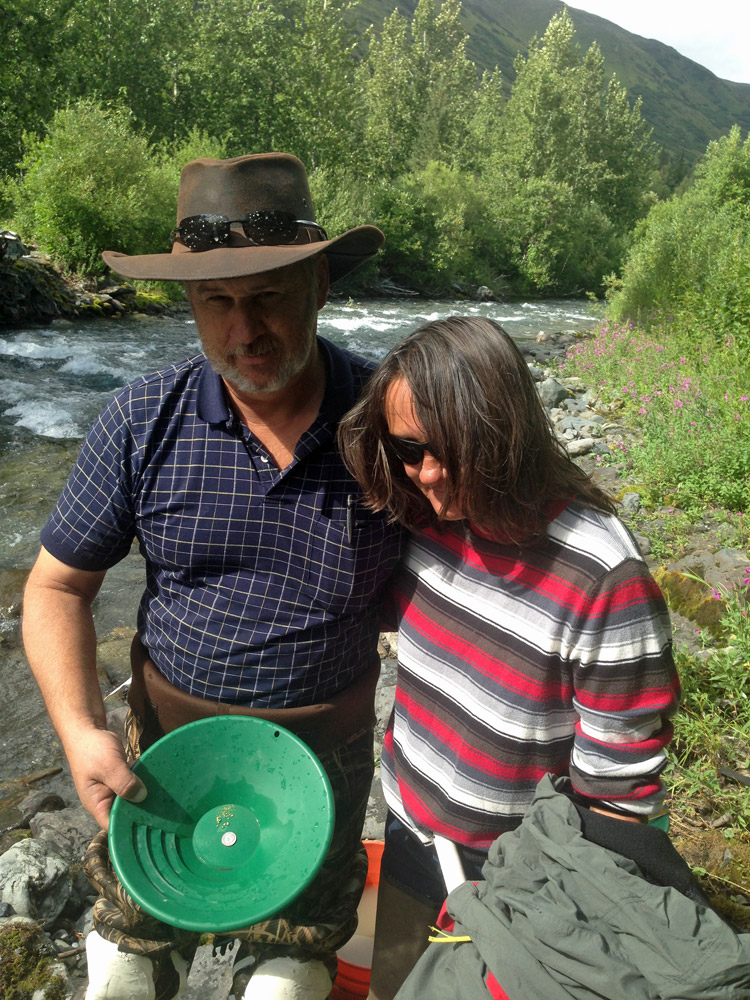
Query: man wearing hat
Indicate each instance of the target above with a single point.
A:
(263, 569)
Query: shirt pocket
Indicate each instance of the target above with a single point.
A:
(350, 556)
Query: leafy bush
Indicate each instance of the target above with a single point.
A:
(91, 184)
(690, 255)
(681, 372)
(713, 725)
(435, 220)
(561, 242)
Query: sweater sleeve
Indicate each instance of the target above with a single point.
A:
(626, 691)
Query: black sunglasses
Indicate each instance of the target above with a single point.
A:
(204, 232)
(410, 452)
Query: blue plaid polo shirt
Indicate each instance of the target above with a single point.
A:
(262, 586)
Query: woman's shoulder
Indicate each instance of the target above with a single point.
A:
(598, 534)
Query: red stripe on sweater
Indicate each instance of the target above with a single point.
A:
(540, 581)
(656, 699)
(462, 750)
(426, 818)
(629, 593)
(496, 990)
(489, 666)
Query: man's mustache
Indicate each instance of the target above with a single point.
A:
(261, 346)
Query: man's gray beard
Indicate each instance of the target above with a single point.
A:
(291, 366)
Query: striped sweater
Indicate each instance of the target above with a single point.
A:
(515, 663)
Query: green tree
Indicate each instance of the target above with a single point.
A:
(26, 80)
(236, 85)
(117, 51)
(484, 125)
(568, 137)
(418, 89)
(323, 98)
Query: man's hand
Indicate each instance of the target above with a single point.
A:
(60, 642)
(100, 771)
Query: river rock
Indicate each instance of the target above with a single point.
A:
(28, 953)
(35, 880)
(39, 802)
(580, 446)
(631, 502)
(119, 292)
(574, 404)
(68, 832)
(718, 571)
(12, 582)
(552, 392)
(32, 291)
(572, 427)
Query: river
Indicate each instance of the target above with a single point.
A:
(53, 382)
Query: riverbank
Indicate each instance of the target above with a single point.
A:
(33, 290)
(713, 549)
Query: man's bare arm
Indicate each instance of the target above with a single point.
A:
(60, 642)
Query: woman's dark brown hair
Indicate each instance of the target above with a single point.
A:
(477, 403)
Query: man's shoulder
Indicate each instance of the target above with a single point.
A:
(348, 367)
(170, 389)
(355, 361)
(165, 380)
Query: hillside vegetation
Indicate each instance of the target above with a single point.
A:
(531, 192)
(686, 104)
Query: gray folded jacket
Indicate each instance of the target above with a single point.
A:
(560, 916)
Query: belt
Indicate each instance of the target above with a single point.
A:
(162, 707)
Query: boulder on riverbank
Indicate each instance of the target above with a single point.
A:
(33, 291)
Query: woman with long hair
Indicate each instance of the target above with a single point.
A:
(532, 637)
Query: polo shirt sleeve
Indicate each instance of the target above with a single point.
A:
(626, 691)
(93, 525)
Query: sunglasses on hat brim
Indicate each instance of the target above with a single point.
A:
(205, 232)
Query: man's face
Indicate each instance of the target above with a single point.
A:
(258, 332)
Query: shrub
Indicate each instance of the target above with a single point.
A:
(435, 220)
(90, 184)
(690, 255)
(562, 242)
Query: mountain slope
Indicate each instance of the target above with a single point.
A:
(685, 103)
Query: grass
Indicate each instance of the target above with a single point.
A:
(710, 753)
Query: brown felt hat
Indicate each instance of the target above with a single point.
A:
(274, 182)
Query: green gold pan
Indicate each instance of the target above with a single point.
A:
(236, 823)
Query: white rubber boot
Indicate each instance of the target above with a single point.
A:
(289, 979)
(116, 975)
